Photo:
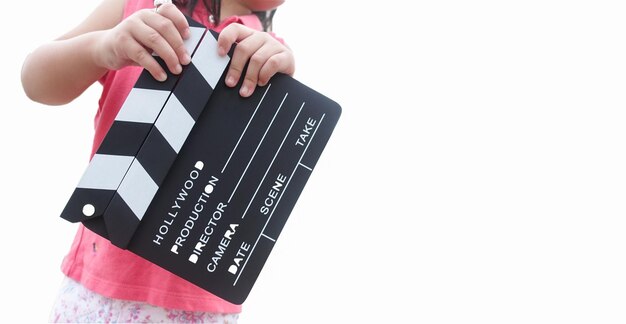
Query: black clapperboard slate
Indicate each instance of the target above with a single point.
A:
(197, 179)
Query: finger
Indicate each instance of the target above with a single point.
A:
(153, 40)
(171, 12)
(257, 61)
(138, 54)
(243, 51)
(231, 34)
(168, 30)
(279, 62)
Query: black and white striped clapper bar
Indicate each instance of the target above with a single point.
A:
(142, 144)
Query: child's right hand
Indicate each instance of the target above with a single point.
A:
(133, 39)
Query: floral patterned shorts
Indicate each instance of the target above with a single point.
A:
(77, 304)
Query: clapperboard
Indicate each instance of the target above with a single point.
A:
(199, 180)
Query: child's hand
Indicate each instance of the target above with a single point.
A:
(266, 54)
(133, 39)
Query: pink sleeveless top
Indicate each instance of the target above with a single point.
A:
(115, 273)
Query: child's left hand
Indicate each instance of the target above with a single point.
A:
(266, 54)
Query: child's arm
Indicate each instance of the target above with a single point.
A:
(59, 71)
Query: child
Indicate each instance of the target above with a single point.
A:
(112, 46)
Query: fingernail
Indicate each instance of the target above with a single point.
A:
(178, 69)
(186, 59)
(186, 33)
(162, 77)
(244, 91)
(221, 51)
(230, 81)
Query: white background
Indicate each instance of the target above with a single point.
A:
(477, 174)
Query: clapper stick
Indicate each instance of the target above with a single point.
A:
(160, 149)
(131, 131)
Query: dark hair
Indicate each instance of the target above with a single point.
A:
(214, 6)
